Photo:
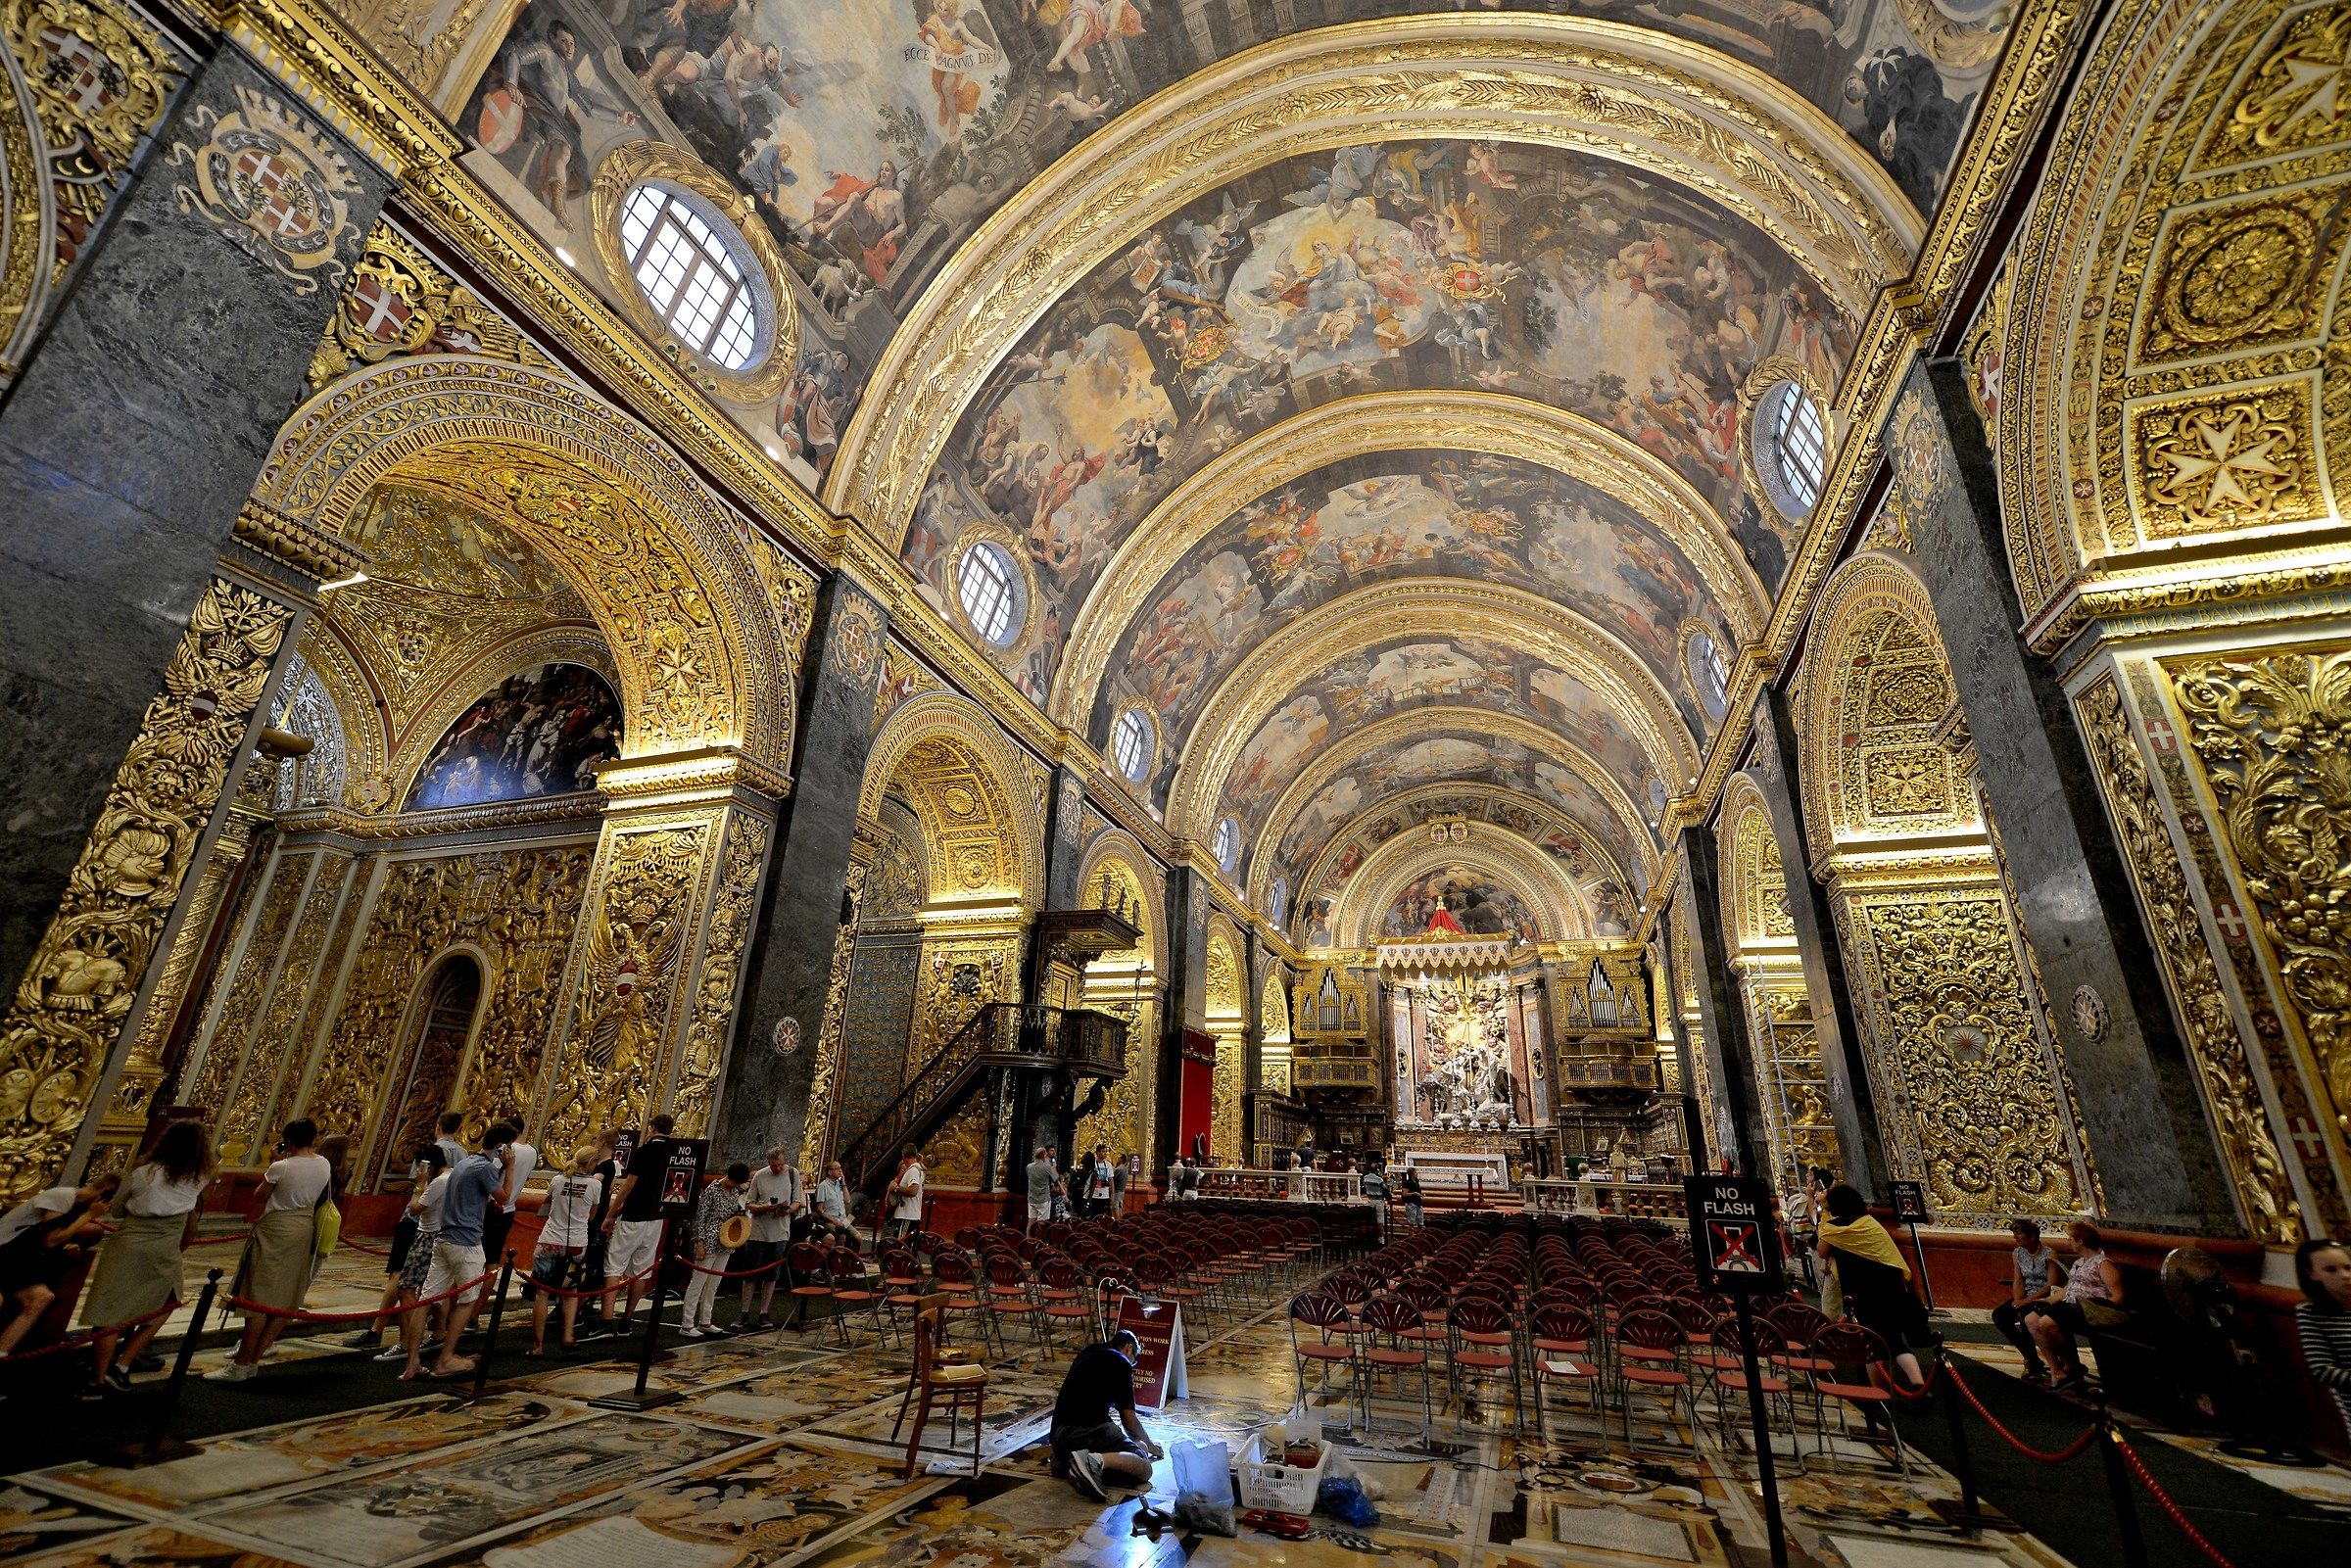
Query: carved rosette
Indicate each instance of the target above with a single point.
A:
(86, 973)
(2265, 1190)
(2272, 732)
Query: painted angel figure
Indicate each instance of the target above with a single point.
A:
(1084, 24)
(960, 42)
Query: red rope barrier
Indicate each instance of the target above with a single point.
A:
(2070, 1451)
(740, 1273)
(214, 1241)
(1895, 1387)
(87, 1337)
(298, 1315)
(2162, 1500)
(606, 1289)
(362, 1247)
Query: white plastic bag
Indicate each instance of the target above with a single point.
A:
(1203, 1470)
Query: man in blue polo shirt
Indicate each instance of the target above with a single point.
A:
(457, 1249)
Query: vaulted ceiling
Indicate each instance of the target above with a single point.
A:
(1359, 396)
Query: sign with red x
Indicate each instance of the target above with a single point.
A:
(1734, 1235)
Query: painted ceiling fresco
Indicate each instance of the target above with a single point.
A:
(1409, 673)
(876, 135)
(1399, 514)
(1549, 273)
(1450, 754)
(1458, 902)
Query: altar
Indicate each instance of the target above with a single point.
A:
(1454, 1169)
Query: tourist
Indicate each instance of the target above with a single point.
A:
(906, 1196)
(778, 1203)
(2033, 1282)
(139, 1266)
(1061, 1198)
(424, 1207)
(720, 1202)
(1096, 1436)
(607, 1176)
(451, 1140)
(522, 1160)
(2092, 1298)
(833, 1220)
(1097, 1180)
(633, 1224)
(1415, 1215)
(559, 1260)
(38, 1238)
(1875, 1279)
(2323, 1268)
(1039, 1176)
(458, 1259)
(1118, 1185)
(422, 1165)
(282, 1252)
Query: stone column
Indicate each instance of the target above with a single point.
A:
(781, 1076)
(1187, 1002)
(1842, 1059)
(2140, 1108)
(1729, 1052)
(132, 436)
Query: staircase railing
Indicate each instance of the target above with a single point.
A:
(1086, 1043)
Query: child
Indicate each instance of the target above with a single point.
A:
(422, 1165)
(560, 1262)
(426, 1207)
(38, 1238)
(720, 1202)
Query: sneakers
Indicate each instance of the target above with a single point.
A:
(1085, 1474)
(233, 1372)
(762, 1323)
(391, 1353)
(90, 1393)
(117, 1377)
(366, 1339)
(690, 1332)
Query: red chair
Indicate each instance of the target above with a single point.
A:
(852, 1291)
(1399, 1322)
(1065, 1296)
(1849, 1345)
(1561, 1337)
(1012, 1295)
(805, 1264)
(1484, 1340)
(1325, 1317)
(960, 1281)
(1650, 1346)
(1730, 1374)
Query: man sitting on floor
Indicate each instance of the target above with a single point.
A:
(1097, 1435)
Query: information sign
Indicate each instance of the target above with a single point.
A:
(1733, 1238)
(1910, 1203)
(1159, 1372)
(682, 1173)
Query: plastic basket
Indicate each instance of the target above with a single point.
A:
(1278, 1487)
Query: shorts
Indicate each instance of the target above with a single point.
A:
(404, 1242)
(1040, 1212)
(1104, 1437)
(631, 1249)
(759, 1254)
(559, 1270)
(453, 1265)
(418, 1262)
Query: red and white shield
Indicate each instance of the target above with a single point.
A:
(77, 71)
(501, 122)
(275, 187)
(378, 309)
(624, 979)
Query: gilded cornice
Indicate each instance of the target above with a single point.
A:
(1484, 423)
(2178, 599)
(1418, 722)
(290, 542)
(1273, 671)
(585, 810)
(1677, 109)
(1538, 880)
(316, 53)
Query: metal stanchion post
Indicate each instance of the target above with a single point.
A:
(2118, 1486)
(497, 1308)
(642, 1398)
(160, 1445)
(1765, 1472)
(1971, 1516)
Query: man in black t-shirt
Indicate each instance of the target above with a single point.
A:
(1097, 1435)
(633, 1219)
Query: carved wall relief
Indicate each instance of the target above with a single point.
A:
(734, 906)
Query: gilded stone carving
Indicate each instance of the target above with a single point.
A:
(956, 1154)
(101, 77)
(2243, 276)
(237, 996)
(2227, 460)
(1961, 1074)
(732, 914)
(641, 923)
(2297, 98)
(983, 830)
(399, 302)
(1875, 693)
(418, 39)
(82, 977)
(2273, 733)
(2239, 1119)
(816, 1130)
(516, 909)
(244, 1133)
(276, 185)
(1907, 782)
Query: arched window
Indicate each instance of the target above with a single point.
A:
(690, 263)
(1791, 448)
(1130, 745)
(1228, 844)
(988, 587)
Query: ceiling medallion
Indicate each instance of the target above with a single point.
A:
(786, 1035)
(2089, 1013)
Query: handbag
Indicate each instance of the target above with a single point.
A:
(327, 1226)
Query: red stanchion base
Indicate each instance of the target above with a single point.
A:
(630, 1399)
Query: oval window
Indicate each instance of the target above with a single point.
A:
(1228, 844)
(690, 265)
(989, 590)
(1130, 745)
(1791, 448)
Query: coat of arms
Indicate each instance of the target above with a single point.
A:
(276, 185)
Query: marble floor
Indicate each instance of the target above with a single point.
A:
(779, 1453)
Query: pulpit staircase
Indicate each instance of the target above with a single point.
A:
(1075, 1043)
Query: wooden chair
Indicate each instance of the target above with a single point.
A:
(935, 1380)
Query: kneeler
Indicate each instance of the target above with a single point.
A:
(939, 1377)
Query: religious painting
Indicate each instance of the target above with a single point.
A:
(1396, 515)
(1458, 902)
(1421, 672)
(539, 732)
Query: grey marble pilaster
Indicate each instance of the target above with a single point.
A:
(765, 1097)
(1730, 1051)
(1841, 1057)
(141, 418)
(2141, 1115)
